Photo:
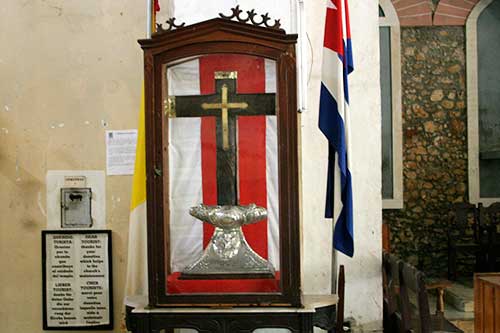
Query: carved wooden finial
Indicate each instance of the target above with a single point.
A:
(171, 25)
(251, 14)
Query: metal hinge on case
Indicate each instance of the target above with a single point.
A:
(169, 106)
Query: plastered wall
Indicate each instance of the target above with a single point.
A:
(69, 70)
(363, 272)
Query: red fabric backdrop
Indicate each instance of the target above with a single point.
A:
(251, 170)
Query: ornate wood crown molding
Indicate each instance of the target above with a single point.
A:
(251, 14)
(236, 14)
(171, 25)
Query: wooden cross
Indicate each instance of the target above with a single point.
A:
(226, 106)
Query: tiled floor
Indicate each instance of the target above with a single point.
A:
(465, 325)
(459, 306)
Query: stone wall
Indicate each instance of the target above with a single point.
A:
(434, 143)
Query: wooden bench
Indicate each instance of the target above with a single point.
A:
(406, 305)
(417, 318)
(390, 277)
(490, 223)
(464, 239)
(473, 235)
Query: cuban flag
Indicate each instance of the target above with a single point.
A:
(334, 122)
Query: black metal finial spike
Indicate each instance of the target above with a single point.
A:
(251, 14)
(171, 25)
(236, 11)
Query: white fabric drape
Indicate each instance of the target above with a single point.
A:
(185, 178)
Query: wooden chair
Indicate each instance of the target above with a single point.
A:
(490, 222)
(390, 278)
(465, 241)
(416, 316)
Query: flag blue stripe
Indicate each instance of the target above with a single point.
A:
(349, 60)
(330, 182)
(343, 235)
(347, 65)
(331, 125)
(345, 72)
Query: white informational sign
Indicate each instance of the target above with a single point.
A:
(75, 181)
(120, 152)
(77, 280)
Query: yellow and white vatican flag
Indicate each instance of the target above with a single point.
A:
(137, 265)
(136, 284)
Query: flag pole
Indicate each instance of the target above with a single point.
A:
(334, 266)
(150, 18)
(153, 15)
(149, 11)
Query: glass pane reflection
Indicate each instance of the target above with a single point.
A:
(222, 151)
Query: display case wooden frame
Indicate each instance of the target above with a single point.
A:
(221, 35)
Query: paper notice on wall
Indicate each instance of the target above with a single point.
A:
(120, 152)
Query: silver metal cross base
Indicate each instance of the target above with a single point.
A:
(228, 255)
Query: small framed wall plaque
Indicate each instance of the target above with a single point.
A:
(77, 280)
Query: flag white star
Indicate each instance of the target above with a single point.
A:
(330, 4)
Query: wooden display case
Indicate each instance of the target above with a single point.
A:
(175, 62)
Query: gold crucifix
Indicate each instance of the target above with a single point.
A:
(225, 106)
